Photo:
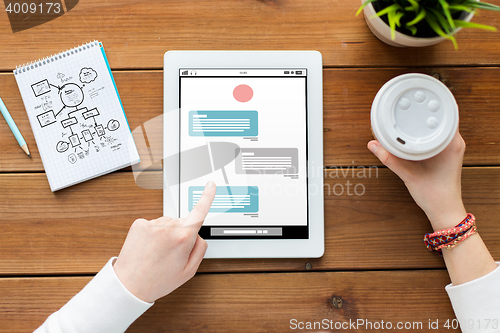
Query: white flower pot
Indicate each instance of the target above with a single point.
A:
(383, 32)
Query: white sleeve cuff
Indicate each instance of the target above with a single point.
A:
(477, 303)
(104, 305)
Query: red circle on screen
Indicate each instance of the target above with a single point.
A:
(243, 93)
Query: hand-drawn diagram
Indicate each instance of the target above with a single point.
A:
(62, 146)
(87, 75)
(81, 124)
(46, 103)
(41, 88)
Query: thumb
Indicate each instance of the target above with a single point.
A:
(398, 165)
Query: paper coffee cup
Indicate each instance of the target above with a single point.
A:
(414, 116)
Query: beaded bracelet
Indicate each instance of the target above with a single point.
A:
(451, 237)
(457, 241)
(448, 235)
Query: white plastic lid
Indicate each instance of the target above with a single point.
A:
(414, 116)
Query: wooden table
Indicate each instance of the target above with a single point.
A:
(375, 265)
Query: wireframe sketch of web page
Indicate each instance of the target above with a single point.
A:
(245, 129)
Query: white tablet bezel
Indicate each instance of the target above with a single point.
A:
(249, 248)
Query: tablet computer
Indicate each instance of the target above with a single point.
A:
(252, 122)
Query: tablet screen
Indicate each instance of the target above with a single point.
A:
(245, 129)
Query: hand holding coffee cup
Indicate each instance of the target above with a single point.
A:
(434, 181)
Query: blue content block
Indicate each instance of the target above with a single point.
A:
(223, 123)
(229, 199)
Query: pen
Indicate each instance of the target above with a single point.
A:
(14, 128)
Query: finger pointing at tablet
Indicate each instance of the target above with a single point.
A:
(200, 210)
(160, 255)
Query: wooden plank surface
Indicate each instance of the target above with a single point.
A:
(256, 302)
(348, 94)
(76, 230)
(136, 34)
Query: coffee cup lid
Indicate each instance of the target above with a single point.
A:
(414, 116)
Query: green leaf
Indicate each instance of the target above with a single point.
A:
(481, 5)
(418, 18)
(414, 4)
(439, 19)
(463, 24)
(412, 29)
(366, 3)
(397, 18)
(392, 24)
(461, 8)
(433, 24)
(391, 9)
(447, 13)
(394, 20)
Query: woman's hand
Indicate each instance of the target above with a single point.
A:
(160, 255)
(434, 184)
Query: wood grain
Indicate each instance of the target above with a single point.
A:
(76, 230)
(348, 94)
(254, 302)
(137, 34)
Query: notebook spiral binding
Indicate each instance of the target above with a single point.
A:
(53, 58)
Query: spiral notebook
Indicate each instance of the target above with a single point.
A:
(76, 115)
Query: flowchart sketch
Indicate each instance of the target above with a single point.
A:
(267, 161)
(79, 137)
(223, 123)
(229, 199)
(78, 123)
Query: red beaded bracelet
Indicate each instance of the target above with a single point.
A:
(451, 237)
(457, 241)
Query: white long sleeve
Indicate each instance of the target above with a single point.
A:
(477, 303)
(103, 306)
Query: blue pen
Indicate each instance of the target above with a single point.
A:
(13, 128)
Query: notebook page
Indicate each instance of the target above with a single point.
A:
(76, 115)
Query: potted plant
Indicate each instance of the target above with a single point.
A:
(421, 22)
